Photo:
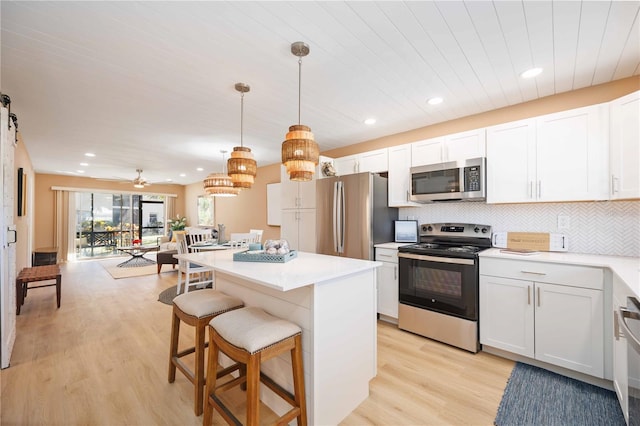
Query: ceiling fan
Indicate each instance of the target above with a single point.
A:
(139, 181)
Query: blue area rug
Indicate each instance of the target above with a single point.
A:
(535, 396)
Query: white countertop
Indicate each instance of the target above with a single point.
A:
(306, 269)
(626, 268)
(393, 246)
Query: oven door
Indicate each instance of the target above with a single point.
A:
(442, 284)
(629, 320)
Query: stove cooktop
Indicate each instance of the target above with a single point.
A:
(451, 240)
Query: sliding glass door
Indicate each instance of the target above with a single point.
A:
(106, 221)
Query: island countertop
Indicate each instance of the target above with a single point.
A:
(306, 269)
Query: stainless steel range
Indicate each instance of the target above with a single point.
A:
(438, 282)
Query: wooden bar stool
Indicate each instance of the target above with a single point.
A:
(250, 336)
(196, 309)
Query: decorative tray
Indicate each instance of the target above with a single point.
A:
(247, 256)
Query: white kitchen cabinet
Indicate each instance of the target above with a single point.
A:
(555, 157)
(511, 162)
(625, 147)
(457, 146)
(299, 229)
(572, 149)
(375, 161)
(428, 151)
(399, 177)
(296, 195)
(620, 370)
(549, 312)
(388, 282)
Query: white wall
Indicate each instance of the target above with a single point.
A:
(609, 228)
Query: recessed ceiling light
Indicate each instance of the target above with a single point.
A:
(435, 101)
(168, 180)
(84, 164)
(80, 171)
(531, 73)
(182, 175)
(199, 169)
(89, 154)
(370, 121)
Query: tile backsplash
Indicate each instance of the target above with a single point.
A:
(606, 227)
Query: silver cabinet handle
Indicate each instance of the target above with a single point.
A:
(528, 295)
(616, 326)
(631, 338)
(530, 189)
(539, 188)
(384, 255)
(533, 272)
(614, 184)
(395, 272)
(538, 288)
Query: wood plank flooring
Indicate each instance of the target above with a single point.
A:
(102, 358)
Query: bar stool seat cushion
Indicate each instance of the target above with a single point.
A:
(252, 329)
(205, 302)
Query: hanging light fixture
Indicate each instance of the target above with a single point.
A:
(242, 167)
(299, 151)
(220, 184)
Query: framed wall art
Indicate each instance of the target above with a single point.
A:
(205, 211)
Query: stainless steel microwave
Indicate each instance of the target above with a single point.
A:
(463, 180)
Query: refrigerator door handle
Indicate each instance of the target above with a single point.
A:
(339, 217)
(335, 216)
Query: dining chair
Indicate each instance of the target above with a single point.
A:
(198, 236)
(188, 269)
(243, 239)
(259, 234)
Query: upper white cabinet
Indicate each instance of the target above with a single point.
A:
(296, 195)
(399, 180)
(555, 157)
(372, 161)
(428, 151)
(511, 162)
(625, 147)
(458, 146)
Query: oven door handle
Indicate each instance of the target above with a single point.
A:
(437, 259)
(631, 338)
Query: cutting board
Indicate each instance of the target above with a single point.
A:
(536, 241)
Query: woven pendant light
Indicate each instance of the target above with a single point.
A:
(242, 167)
(220, 184)
(300, 152)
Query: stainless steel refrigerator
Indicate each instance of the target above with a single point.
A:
(352, 215)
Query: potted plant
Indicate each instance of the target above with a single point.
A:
(177, 224)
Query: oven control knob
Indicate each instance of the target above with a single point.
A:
(485, 230)
(428, 228)
(476, 229)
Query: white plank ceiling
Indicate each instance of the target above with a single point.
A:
(150, 85)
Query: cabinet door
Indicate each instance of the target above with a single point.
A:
(307, 194)
(289, 227)
(373, 161)
(570, 328)
(507, 314)
(511, 162)
(428, 151)
(620, 370)
(388, 289)
(400, 176)
(465, 145)
(572, 155)
(288, 191)
(306, 219)
(346, 165)
(625, 147)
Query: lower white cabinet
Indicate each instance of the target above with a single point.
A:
(388, 282)
(299, 229)
(620, 370)
(550, 312)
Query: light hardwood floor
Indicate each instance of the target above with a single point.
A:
(102, 358)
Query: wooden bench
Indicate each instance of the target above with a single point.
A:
(35, 274)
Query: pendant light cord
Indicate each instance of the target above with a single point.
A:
(299, 86)
(241, 115)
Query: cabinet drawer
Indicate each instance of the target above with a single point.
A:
(386, 255)
(571, 275)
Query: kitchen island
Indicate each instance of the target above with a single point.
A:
(333, 300)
